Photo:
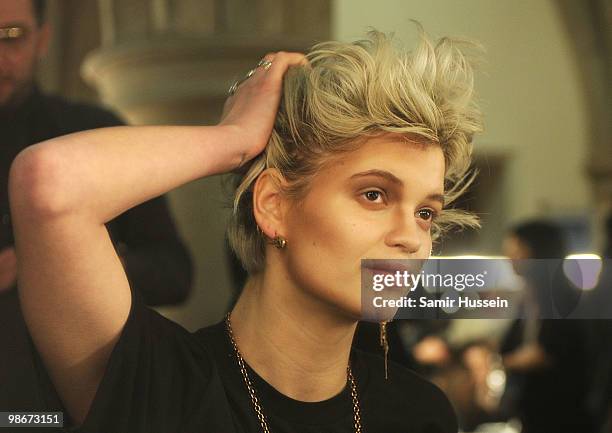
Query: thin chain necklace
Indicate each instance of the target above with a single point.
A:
(258, 410)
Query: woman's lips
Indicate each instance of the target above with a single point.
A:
(393, 265)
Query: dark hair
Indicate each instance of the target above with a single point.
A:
(39, 7)
(544, 238)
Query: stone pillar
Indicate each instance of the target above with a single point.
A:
(588, 26)
(171, 62)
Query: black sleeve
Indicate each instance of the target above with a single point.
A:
(159, 378)
(70, 116)
(157, 262)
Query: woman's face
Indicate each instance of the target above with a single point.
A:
(376, 202)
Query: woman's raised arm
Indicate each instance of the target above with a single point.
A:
(73, 290)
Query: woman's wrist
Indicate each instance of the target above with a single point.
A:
(236, 142)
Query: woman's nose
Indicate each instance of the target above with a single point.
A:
(405, 235)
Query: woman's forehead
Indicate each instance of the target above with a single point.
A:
(396, 160)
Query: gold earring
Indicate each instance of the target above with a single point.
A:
(384, 343)
(279, 242)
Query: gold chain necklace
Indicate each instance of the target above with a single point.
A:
(258, 410)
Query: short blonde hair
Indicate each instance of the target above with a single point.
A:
(351, 91)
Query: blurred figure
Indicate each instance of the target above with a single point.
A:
(432, 350)
(156, 260)
(545, 360)
(605, 362)
(608, 233)
(600, 341)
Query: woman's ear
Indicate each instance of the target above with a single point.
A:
(269, 202)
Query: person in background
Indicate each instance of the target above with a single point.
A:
(545, 359)
(606, 331)
(600, 341)
(157, 262)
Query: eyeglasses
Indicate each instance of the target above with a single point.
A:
(12, 33)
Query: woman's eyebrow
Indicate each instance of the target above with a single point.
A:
(395, 180)
(379, 173)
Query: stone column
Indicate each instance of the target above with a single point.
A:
(588, 26)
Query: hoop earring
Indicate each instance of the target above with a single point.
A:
(384, 343)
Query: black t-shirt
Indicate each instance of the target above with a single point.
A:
(162, 378)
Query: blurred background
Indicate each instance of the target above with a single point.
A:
(544, 87)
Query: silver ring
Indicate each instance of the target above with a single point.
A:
(233, 88)
(264, 63)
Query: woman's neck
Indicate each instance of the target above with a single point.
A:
(294, 341)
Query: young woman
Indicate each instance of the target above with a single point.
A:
(346, 153)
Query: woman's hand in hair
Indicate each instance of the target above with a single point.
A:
(251, 111)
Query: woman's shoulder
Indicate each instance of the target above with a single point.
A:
(194, 351)
(159, 373)
(404, 398)
(145, 326)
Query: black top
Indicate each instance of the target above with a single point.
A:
(162, 378)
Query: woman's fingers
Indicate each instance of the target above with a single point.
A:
(273, 74)
(264, 80)
(252, 74)
(252, 109)
(284, 61)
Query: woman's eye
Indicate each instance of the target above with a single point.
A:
(427, 214)
(373, 195)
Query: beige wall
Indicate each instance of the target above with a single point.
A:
(532, 99)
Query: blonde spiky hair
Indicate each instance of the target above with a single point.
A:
(351, 91)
